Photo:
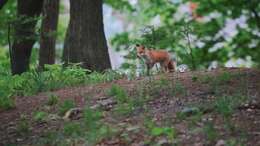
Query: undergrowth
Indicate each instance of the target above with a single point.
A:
(54, 77)
(88, 131)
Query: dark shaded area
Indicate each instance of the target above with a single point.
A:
(2, 3)
(24, 37)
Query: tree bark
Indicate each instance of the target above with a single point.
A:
(48, 32)
(85, 39)
(24, 37)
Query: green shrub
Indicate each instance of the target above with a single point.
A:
(119, 93)
(39, 116)
(167, 131)
(73, 129)
(23, 126)
(52, 100)
(124, 108)
(52, 138)
(157, 87)
(6, 103)
(210, 132)
(108, 75)
(125, 105)
(164, 86)
(154, 130)
(91, 118)
(225, 106)
(53, 77)
(95, 128)
(223, 78)
(58, 76)
(4, 63)
(65, 106)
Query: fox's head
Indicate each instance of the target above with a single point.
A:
(140, 50)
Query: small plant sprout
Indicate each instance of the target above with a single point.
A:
(39, 116)
(23, 126)
(65, 106)
(119, 93)
(52, 100)
(210, 132)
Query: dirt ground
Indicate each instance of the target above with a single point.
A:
(162, 109)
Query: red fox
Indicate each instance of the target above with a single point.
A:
(152, 57)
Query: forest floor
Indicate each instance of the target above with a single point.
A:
(219, 107)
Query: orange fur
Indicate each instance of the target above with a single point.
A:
(152, 57)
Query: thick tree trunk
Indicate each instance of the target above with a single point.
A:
(48, 32)
(24, 38)
(85, 39)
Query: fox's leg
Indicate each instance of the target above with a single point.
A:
(148, 70)
(157, 69)
(162, 68)
(165, 66)
(172, 66)
(149, 66)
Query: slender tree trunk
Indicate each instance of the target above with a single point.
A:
(85, 39)
(24, 37)
(48, 32)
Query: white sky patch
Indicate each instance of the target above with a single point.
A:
(230, 30)
(156, 21)
(256, 32)
(176, 1)
(231, 53)
(207, 38)
(213, 15)
(112, 24)
(242, 22)
(240, 62)
(200, 44)
(133, 2)
(193, 40)
(182, 12)
(253, 43)
(216, 47)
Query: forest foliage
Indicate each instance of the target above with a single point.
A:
(218, 31)
(209, 31)
(165, 109)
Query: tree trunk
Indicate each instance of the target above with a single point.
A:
(24, 37)
(48, 32)
(85, 39)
